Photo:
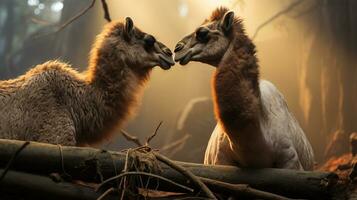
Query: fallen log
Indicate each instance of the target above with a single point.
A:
(43, 187)
(89, 164)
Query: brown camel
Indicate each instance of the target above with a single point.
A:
(54, 103)
(255, 128)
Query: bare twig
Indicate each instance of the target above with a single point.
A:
(84, 11)
(12, 159)
(195, 180)
(307, 11)
(239, 190)
(64, 25)
(62, 160)
(154, 134)
(131, 138)
(110, 190)
(136, 140)
(123, 181)
(144, 174)
(275, 16)
(106, 11)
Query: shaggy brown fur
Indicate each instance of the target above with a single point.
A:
(55, 104)
(248, 134)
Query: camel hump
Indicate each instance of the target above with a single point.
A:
(280, 125)
(52, 73)
(271, 94)
(53, 66)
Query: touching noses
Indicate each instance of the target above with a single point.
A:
(167, 51)
(179, 46)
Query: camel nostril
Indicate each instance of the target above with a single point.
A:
(179, 46)
(167, 51)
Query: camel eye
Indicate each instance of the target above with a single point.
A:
(149, 40)
(202, 34)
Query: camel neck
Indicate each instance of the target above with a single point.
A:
(236, 90)
(111, 76)
(114, 88)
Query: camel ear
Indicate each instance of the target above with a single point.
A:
(129, 27)
(227, 22)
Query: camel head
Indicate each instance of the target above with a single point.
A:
(137, 49)
(209, 42)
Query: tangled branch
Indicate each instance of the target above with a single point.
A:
(275, 16)
(74, 18)
(196, 181)
(144, 174)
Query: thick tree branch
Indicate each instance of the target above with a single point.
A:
(85, 164)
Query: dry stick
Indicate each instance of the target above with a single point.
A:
(106, 11)
(239, 190)
(12, 159)
(123, 180)
(195, 180)
(110, 190)
(131, 138)
(278, 14)
(62, 160)
(154, 134)
(145, 174)
(136, 140)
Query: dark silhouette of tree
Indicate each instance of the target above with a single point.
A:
(331, 72)
(329, 63)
